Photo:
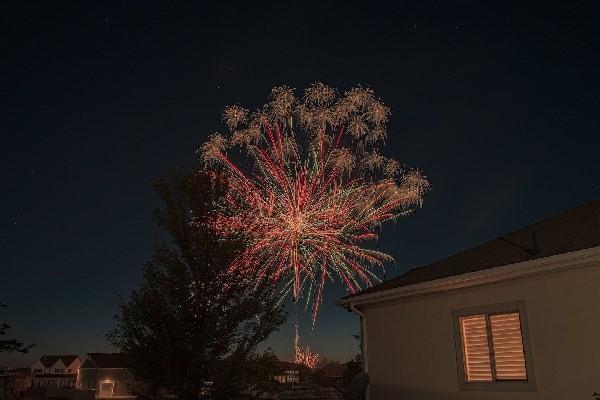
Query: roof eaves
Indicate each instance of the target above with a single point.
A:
(575, 259)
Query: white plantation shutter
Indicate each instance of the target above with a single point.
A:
(476, 351)
(507, 343)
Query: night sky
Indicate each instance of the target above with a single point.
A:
(499, 106)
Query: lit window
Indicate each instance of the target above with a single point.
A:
(492, 350)
(106, 388)
(476, 352)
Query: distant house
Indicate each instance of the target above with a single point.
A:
(107, 375)
(14, 382)
(56, 372)
(514, 318)
(332, 373)
(292, 373)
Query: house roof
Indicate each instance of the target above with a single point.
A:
(48, 361)
(575, 229)
(333, 370)
(104, 360)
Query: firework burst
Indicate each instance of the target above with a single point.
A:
(316, 191)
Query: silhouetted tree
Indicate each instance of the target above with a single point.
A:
(10, 345)
(191, 327)
(261, 370)
(355, 365)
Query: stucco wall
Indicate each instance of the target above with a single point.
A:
(122, 378)
(411, 349)
(87, 379)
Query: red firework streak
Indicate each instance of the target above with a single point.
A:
(306, 218)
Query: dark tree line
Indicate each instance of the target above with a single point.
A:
(10, 345)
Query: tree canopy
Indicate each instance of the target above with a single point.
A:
(192, 327)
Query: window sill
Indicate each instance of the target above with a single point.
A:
(512, 386)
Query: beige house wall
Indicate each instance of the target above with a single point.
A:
(411, 349)
(122, 379)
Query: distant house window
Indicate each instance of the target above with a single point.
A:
(106, 389)
(492, 348)
(291, 376)
(59, 370)
(37, 371)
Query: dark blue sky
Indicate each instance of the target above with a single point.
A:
(499, 105)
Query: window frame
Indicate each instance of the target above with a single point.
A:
(496, 385)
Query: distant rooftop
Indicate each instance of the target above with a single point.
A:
(575, 229)
(49, 361)
(104, 360)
